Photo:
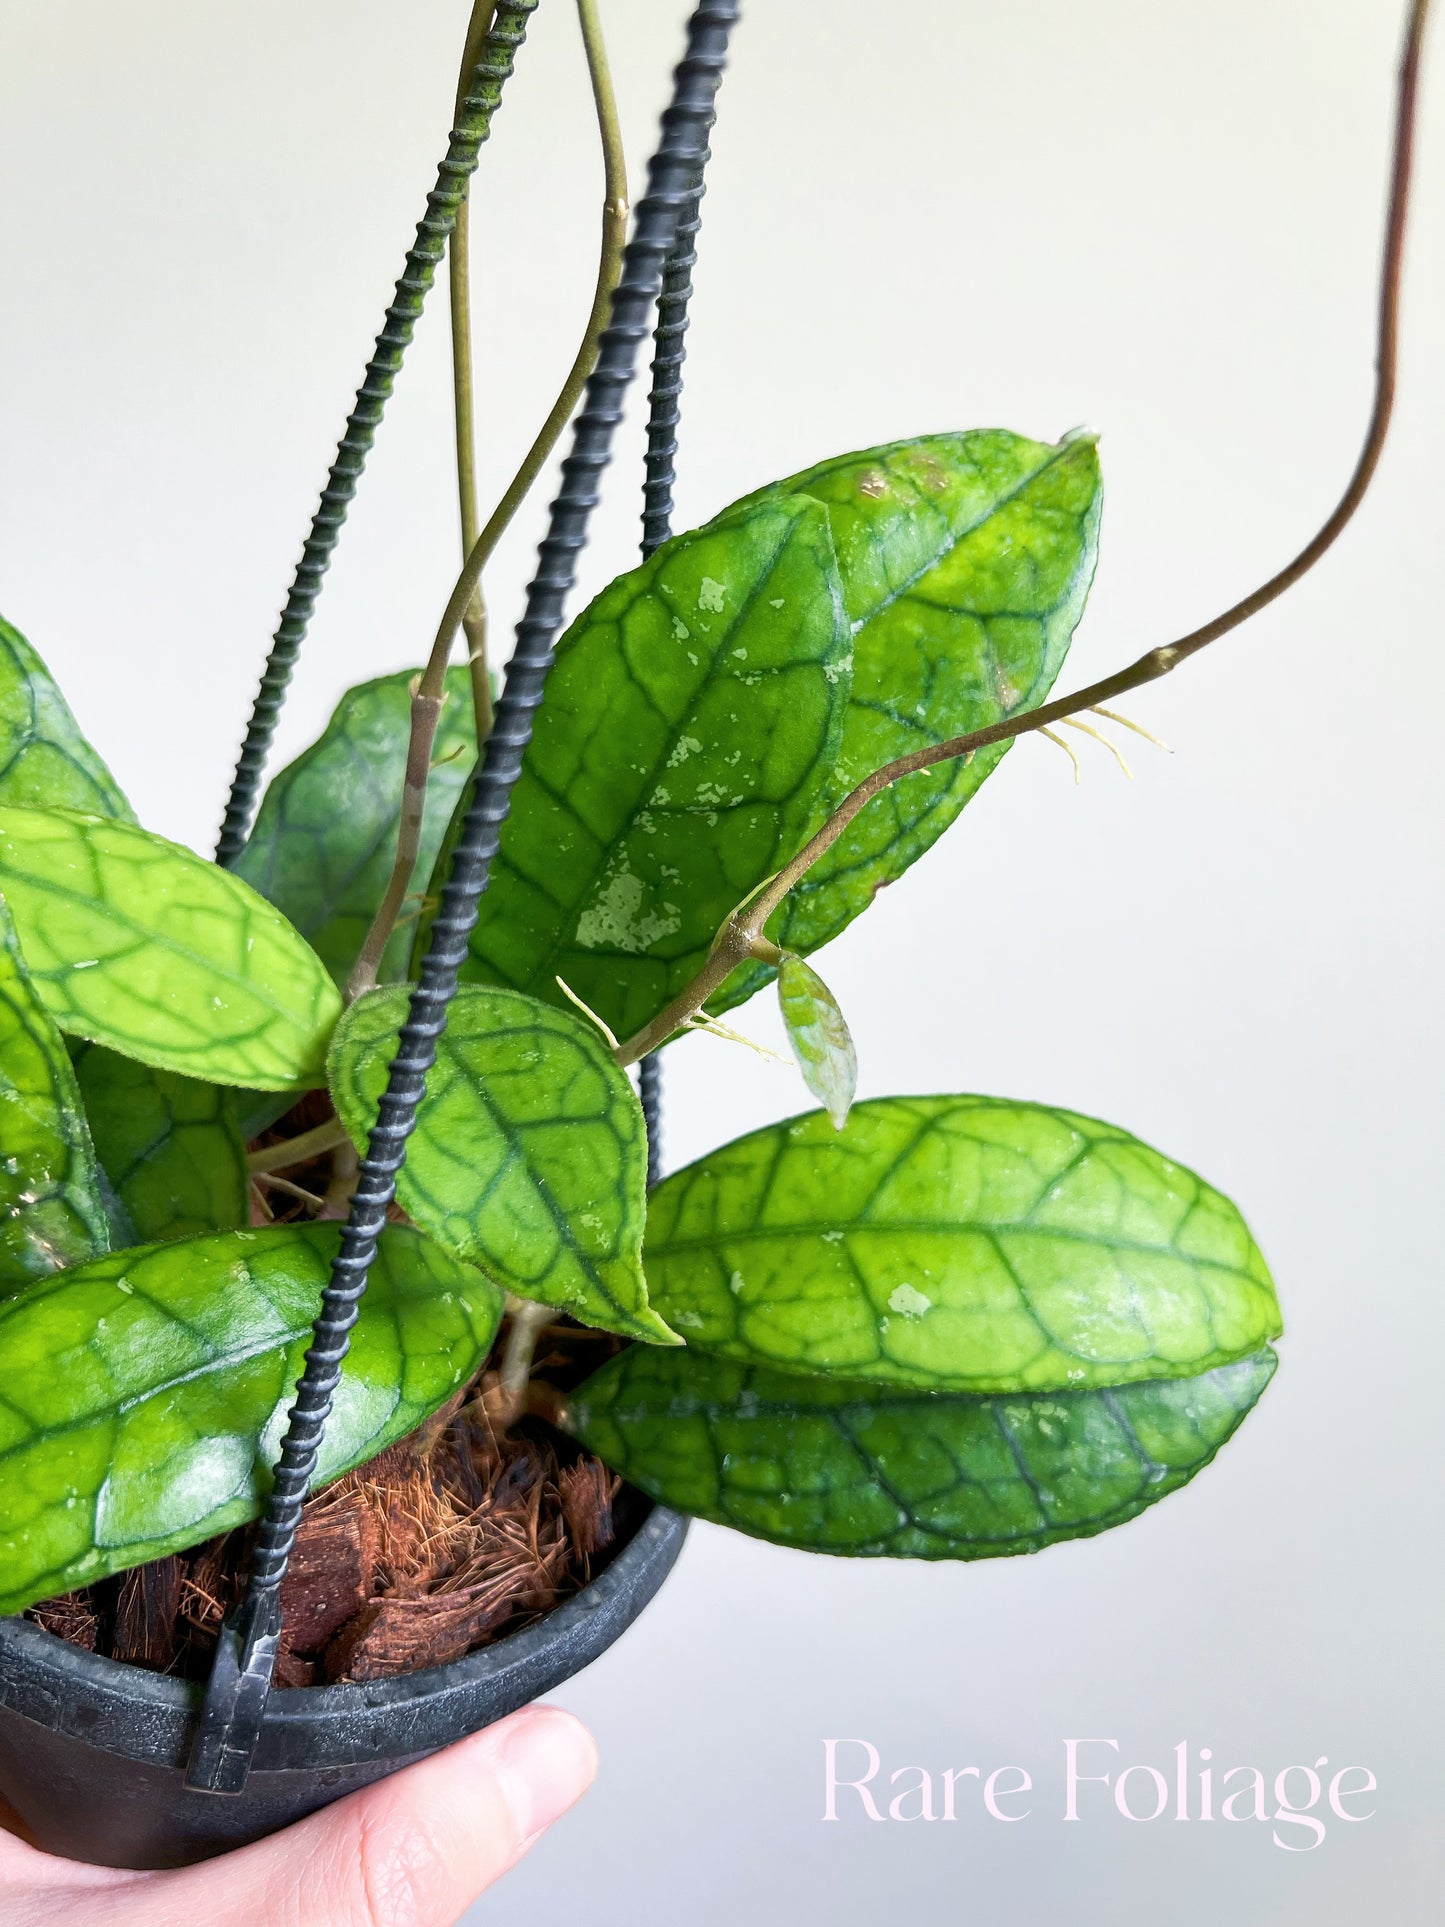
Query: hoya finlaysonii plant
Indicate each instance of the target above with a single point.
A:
(942, 1326)
(929, 1326)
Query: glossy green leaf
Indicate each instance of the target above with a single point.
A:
(145, 1394)
(143, 946)
(872, 1470)
(169, 1145)
(692, 716)
(957, 1241)
(325, 836)
(529, 1156)
(51, 1210)
(45, 762)
(819, 1035)
(965, 562)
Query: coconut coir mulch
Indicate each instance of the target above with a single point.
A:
(431, 1550)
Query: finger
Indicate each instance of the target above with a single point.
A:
(412, 1851)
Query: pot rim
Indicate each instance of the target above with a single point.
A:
(127, 1709)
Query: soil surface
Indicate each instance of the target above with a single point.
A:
(447, 1540)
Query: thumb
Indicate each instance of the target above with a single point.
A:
(412, 1851)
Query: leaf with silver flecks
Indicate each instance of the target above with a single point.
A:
(690, 724)
(51, 1209)
(965, 561)
(966, 1242)
(145, 1394)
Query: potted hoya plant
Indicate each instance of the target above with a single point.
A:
(358, 1365)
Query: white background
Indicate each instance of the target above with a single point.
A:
(1160, 219)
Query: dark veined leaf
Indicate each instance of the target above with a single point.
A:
(325, 836)
(965, 1242)
(831, 1466)
(142, 946)
(45, 762)
(692, 716)
(819, 1035)
(146, 1393)
(529, 1156)
(51, 1212)
(965, 561)
(169, 1145)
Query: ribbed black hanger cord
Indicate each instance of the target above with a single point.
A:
(240, 1678)
(474, 124)
(664, 412)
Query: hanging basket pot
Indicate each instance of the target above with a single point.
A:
(93, 1753)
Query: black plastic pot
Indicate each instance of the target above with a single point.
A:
(93, 1753)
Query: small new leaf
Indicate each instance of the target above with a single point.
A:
(529, 1156)
(142, 946)
(51, 1210)
(146, 1392)
(45, 762)
(819, 1035)
(961, 1242)
(170, 1146)
(877, 1471)
(325, 835)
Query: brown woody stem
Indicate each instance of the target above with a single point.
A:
(741, 936)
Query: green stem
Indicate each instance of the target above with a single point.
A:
(298, 1150)
(614, 237)
(431, 690)
(474, 622)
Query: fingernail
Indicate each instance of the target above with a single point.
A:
(547, 1762)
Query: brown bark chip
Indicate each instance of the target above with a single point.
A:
(332, 1571)
(70, 1617)
(147, 1607)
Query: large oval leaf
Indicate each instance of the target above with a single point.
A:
(142, 946)
(691, 719)
(965, 562)
(170, 1146)
(146, 1393)
(957, 1241)
(45, 762)
(529, 1156)
(51, 1210)
(325, 836)
(875, 1470)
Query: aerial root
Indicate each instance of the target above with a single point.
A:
(1054, 737)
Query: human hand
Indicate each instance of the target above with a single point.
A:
(412, 1851)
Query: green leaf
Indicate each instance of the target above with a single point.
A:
(325, 836)
(819, 1035)
(691, 718)
(143, 946)
(957, 1241)
(51, 1213)
(965, 561)
(45, 762)
(146, 1393)
(529, 1156)
(878, 1471)
(170, 1146)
